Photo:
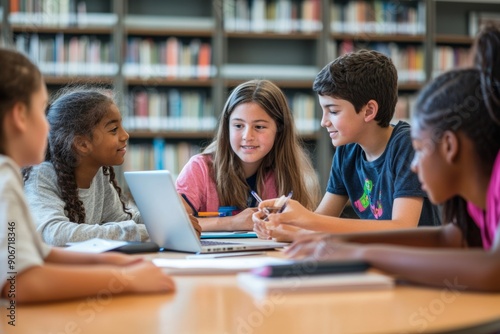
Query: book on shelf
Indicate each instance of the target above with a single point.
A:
(169, 58)
(57, 13)
(79, 55)
(408, 59)
(159, 154)
(378, 17)
(280, 16)
(303, 108)
(450, 57)
(404, 107)
(171, 110)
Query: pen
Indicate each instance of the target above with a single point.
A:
(195, 213)
(308, 268)
(286, 202)
(257, 197)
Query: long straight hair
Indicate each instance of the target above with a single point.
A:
(287, 159)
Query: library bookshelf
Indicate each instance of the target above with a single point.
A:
(172, 63)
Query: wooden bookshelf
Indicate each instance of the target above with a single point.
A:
(289, 50)
(454, 39)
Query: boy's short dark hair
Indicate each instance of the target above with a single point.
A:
(361, 76)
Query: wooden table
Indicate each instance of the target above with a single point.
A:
(215, 304)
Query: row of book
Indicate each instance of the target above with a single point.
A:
(447, 58)
(86, 55)
(280, 16)
(285, 16)
(172, 110)
(408, 59)
(171, 58)
(63, 55)
(190, 110)
(159, 154)
(404, 107)
(378, 16)
(59, 13)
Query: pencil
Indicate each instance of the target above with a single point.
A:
(208, 214)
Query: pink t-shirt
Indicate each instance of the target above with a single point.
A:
(488, 220)
(195, 182)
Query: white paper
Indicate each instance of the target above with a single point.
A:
(95, 245)
(216, 266)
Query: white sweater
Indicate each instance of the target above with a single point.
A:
(104, 216)
(20, 245)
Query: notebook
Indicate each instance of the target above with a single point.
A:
(262, 286)
(167, 221)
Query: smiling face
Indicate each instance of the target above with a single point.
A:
(341, 120)
(252, 133)
(109, 143)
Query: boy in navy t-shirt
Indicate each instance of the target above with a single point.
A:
(372, 163)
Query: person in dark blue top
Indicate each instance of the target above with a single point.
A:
(372, 163)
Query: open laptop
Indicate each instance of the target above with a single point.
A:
(167, 221)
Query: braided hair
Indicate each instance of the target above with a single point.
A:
(75, 112)
(466, 101)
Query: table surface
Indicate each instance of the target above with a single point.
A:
(215, 304)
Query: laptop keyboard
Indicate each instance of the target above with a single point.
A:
(215, 243)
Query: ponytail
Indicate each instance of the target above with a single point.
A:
(487, 50)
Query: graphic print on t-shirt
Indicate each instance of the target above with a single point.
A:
(365, 200)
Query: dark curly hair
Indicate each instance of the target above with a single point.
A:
(75, 112)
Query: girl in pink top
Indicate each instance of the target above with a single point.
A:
(456, 136)
(256, 148)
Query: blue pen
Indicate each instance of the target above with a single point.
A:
(257, 197)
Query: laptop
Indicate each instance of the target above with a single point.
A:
(167, 221)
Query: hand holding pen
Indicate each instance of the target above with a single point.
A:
(278, 206)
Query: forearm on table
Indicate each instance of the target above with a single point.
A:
(56, 282)
(463, 269)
